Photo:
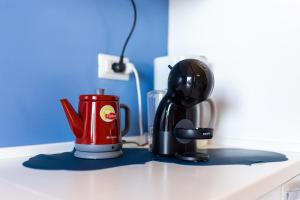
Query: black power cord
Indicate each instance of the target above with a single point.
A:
(120, 66)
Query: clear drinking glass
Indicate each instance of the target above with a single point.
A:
(153, 99)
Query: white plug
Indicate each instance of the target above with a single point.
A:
(105, 71)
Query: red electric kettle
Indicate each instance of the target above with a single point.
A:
(96, 126)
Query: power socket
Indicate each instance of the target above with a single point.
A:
(105, 70)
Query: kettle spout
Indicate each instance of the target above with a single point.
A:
(74, 120)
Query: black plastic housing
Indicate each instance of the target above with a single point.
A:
(189, 83)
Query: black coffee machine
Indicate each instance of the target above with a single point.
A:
(190, 82)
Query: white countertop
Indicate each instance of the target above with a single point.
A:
(153, 180)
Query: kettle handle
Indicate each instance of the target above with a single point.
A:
(127, 119)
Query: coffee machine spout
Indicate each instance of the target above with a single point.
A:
(74, 119)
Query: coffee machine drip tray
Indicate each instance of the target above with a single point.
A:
(193, 156)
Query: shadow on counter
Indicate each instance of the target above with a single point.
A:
(131, 156)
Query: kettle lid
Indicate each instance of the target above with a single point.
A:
(97, 97)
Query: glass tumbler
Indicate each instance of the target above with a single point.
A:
(153, 99)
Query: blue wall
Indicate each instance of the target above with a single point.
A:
(48, 50)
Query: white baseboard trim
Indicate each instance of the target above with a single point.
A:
(30, 150)
(52, 148)
(258, 144)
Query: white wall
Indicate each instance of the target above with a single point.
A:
(254, 47)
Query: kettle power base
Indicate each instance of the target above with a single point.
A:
(93, 151)
(98, 155)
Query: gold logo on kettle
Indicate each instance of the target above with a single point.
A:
(108, 113)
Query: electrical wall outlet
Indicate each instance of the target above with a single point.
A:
(105, 67)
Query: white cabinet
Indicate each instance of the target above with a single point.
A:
(275, 194)
(287, 191)
(291, 189)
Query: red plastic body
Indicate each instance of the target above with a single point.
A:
(97, 121)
